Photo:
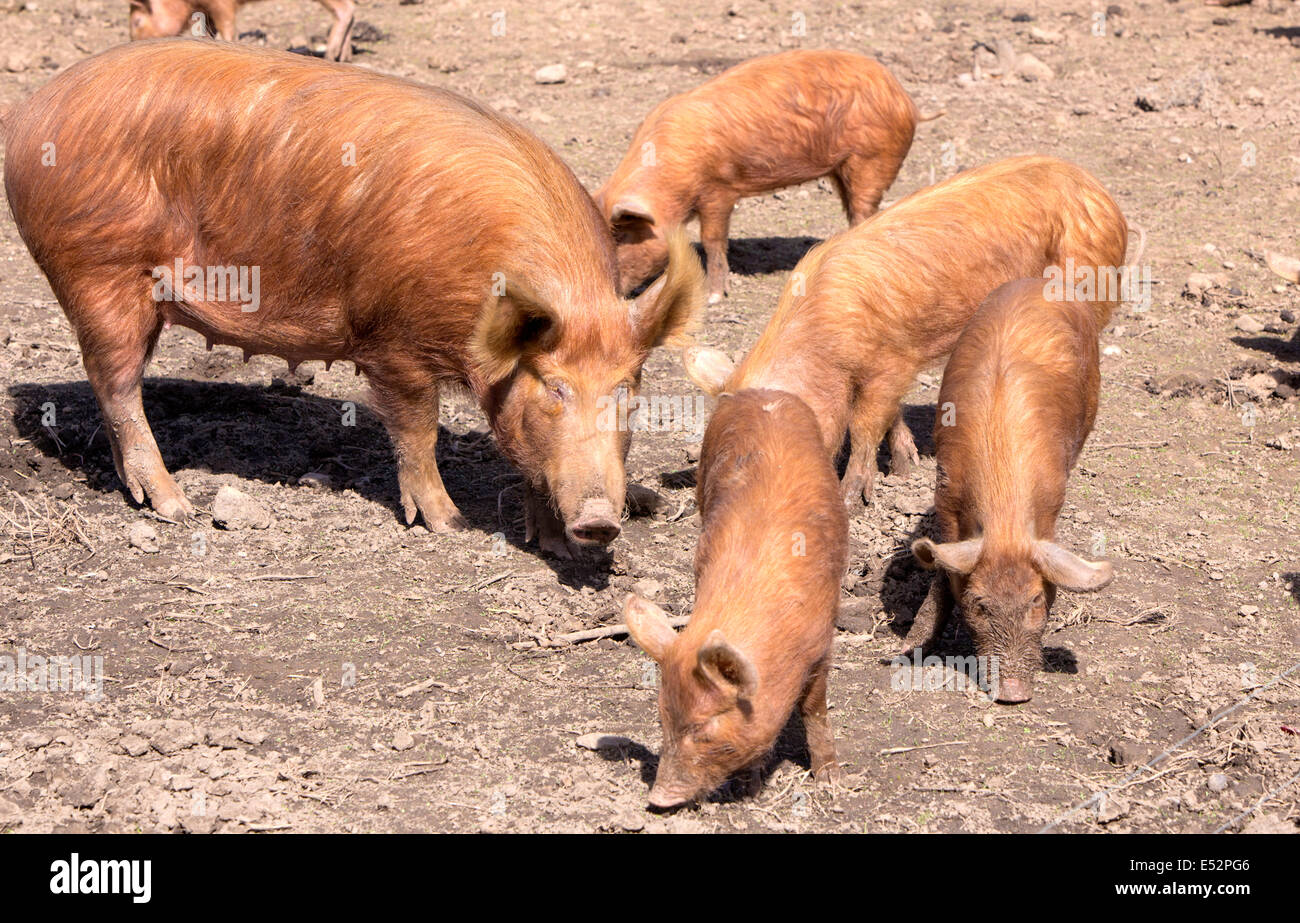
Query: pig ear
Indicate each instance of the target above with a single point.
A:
(631, 208)
(648, 625)
(708, 368)
(1069, 571)
(956, 557)
(510, 325)
(727, 667)
(667, 313)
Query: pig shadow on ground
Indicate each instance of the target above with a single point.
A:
(903, 587)
(791, 744)
(1279, 347)
(919, 419)
(1290, 33)
(756, 256)
(277, 433)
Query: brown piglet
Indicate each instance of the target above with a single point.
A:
(869, 308)
(1018, 400)
(772, 551)
(768, 123)
(284, 205)
(167, 18)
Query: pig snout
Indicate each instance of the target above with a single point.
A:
(1012, 690)
(596, 524)
(673, 786)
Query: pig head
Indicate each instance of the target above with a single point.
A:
(160, 18)
(707, 693)
(554, 382)
(1005, 595)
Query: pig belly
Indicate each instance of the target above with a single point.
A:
(273, 329)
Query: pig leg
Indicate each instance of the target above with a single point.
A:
(223, 20)
(543, 523)
(873, 410)
(115, 348)
(817, 724)
(931, 618)
(408, 404)
(903, 456)
(338, 47)
(715, 226)
(862, 180)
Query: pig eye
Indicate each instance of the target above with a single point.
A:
(557, 390)
(1038, 601)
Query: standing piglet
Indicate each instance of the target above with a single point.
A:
(765, 124)
(406, 229)
(166, 18)
(865, 311)
(771, 554)
(1018, 400)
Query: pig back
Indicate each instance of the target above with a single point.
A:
(366, 200)
(1018, 400)
(774, 530)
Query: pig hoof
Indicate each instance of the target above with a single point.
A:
(556, 545)
(827, 773)
(453, 522)
(176, 508)
(901, 465)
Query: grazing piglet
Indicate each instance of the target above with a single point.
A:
(772, 551)
(767, 123)
(406, 229)
(165, 18)
(1018, 400)
(867, 309)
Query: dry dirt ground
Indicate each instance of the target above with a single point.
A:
(338, 671)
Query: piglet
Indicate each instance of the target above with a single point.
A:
(869, 308)
(166, 18)
(1018, 400)
(771, 122)
(772, 550)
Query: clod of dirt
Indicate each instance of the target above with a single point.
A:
(551, 73)
(1270, 823)
(1032, 70)
(1111, 808)
(1039, 36)
(855, 615)
(1248, 324)
(35, 740)
(317, 479)
(143, 536)
(1198, 283)
(367, 32)
(1196, 88)
(197, 823)
(10, 814)
(133, 745)
(642, 500)
(648, 587)
(63, 491)
(403, 740)
(169, 735)
(1218, 782)
(84, 792)
(233, 509)
(1288, 267)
